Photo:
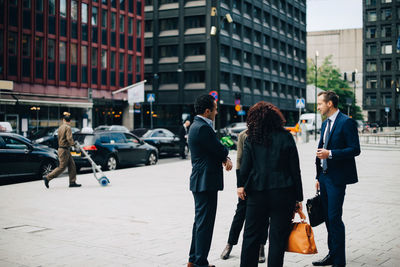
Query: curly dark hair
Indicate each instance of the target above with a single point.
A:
(263, 119)
(202, 103)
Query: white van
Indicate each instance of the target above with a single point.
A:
(5, 127)
(308, 119)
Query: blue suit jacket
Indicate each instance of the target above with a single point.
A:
(207, 154)
(345, 146)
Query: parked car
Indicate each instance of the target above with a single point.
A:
(236, 127)
(49, 137)
(5, 126)
(139, 132)
(370, 128)
(164, 140)
(113, 149)
(309, 120)
(20, 157)
(119, 128)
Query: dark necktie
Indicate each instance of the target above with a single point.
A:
(327, 133)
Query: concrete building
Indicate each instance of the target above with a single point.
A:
(69, 56)
(345, 46)
(381, 20)
(262, 55)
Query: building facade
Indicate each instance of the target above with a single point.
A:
(345, 47)
(381, 59)
(67, 55)
(262, 55)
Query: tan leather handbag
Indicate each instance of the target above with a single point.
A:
(301, 238)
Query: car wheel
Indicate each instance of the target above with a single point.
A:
(152, 159)
(46, 168)
(111, 163)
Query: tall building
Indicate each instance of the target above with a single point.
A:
(345, 47)
(381, 59)
(262, 55)
(69, 55)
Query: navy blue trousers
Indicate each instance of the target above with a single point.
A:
(203, 227)
(332, 197)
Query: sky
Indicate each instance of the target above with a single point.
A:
(333, 14)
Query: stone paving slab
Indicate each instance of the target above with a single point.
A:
(144, 217)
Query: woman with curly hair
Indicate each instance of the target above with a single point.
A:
(270, 180)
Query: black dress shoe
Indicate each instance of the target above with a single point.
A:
(75, 185)
(227, 251)
(324, 262)
(261, 254)
(46, 181)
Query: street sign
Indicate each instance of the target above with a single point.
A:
(237, 101)
(387, 109)
(238, 108)
(151, 98)
(300, 103)
(241, 112)
(214, 94)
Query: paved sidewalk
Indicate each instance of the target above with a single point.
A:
(144, 217)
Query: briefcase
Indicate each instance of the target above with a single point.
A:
(315, 210)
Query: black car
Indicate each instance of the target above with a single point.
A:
(49, 137)
(20, 157)
(113, 149)
(164, 140)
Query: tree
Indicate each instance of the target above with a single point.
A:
(329, 78)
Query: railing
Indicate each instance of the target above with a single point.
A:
(380, 139)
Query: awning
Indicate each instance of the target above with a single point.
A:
(45, 101)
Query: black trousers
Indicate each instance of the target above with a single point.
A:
(203, 227)
(277, 206)
(237, 224)
(182, 146)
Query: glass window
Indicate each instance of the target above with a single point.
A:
(148, 26)
(94, 57)
(39, 5)
(372, 83)
(117, 138)
(63, 52)
(122, 4)
(371, 49)
(25, 3)
(26, 45)
(168, 24)
(386, 31)
(371, 15)
(74, 54)
(386, 65)
(103, 59)
(52, 7)
(51, 49)
(121, 23)
(39, 47)
(84, 13)
(139, 29)
(168, 51)
(371, 2)
(94, 16)
(200, 49)
(130, 58)
(113, 21)
(121, 61)
(371, 66)
(74, 10)
(104, 18)
(84, 55)
(194, 77)
(63, 8)
(112, 60)
(138, 63)
(386, 48)
(371, 32)
(130, 25)
(193, 22)
(386, 14)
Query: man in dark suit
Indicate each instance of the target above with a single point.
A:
(336, 167)
(183, 133)
(208, 156)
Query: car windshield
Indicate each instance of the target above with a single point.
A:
(147, 134)
(25, 139)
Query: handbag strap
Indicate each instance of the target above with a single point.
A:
(301, 214)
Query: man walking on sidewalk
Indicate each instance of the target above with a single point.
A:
(208, 156)
(65, 141)
(336, 167)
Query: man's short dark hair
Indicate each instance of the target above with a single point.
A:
(204, 102)
(330, 96)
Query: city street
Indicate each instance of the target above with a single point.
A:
(145, 216)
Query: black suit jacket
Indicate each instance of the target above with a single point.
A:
(182, 134)
(271, 167)
(344, 144)
(207, 155)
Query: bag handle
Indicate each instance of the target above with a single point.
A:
(301, 214)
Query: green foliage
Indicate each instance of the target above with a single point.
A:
(329, 78)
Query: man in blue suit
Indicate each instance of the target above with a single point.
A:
(336, 168)
(208, 156)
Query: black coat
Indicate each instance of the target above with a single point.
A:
(271, 167)
(207, 154)
(182, 133)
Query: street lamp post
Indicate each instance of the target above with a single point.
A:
(315, 105)
(354, 92)
(214, 32)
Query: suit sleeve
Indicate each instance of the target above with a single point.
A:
(245, 166)
(352, 142)
(295, 172)
(212, 144)
(68, 135)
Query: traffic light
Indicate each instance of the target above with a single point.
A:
(353, 76)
